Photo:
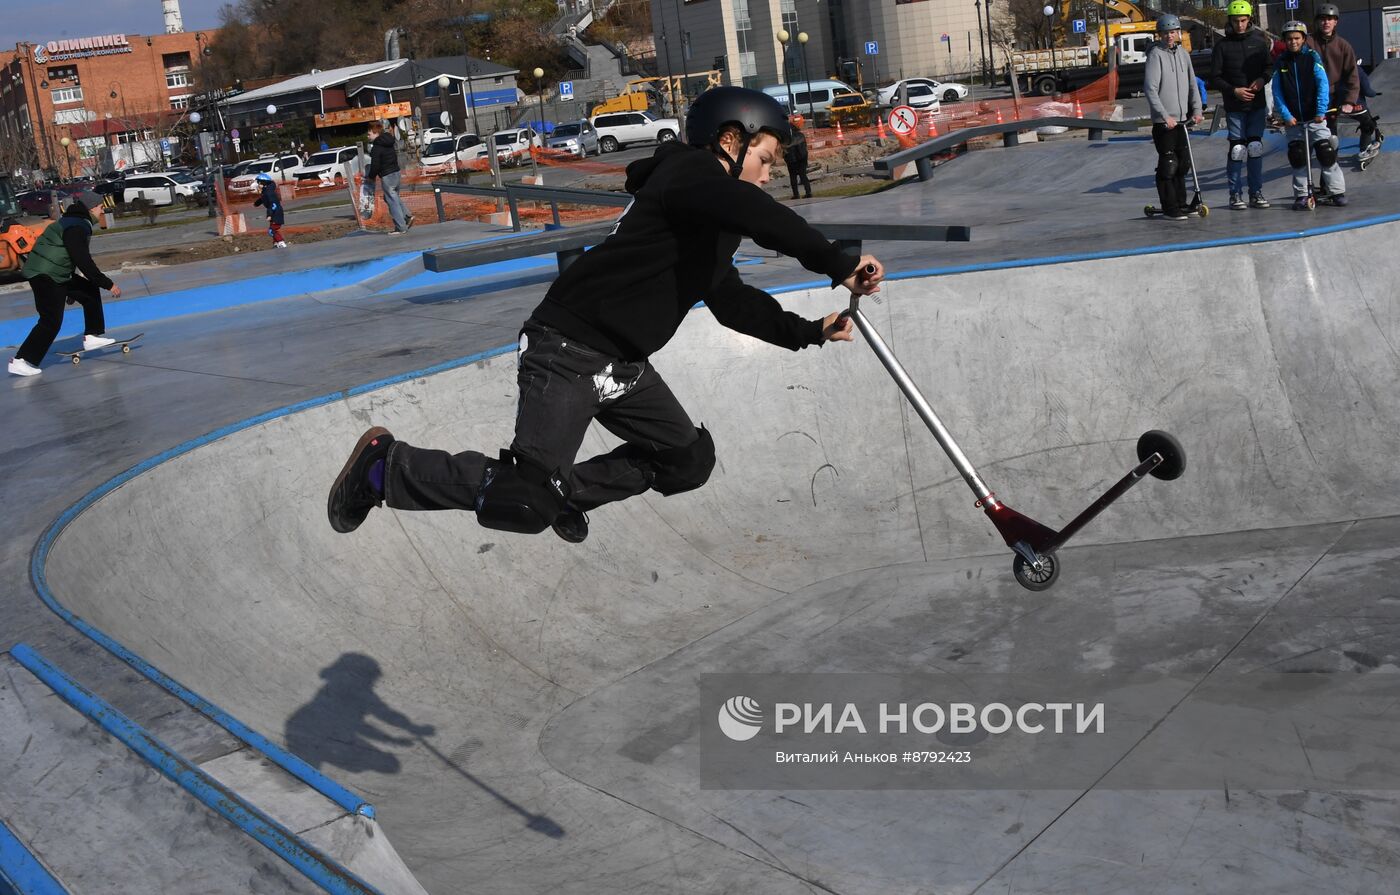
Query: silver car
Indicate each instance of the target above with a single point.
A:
(576, 137)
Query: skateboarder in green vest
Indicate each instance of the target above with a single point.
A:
(60, 269)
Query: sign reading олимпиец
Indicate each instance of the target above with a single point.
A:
(1045, 731)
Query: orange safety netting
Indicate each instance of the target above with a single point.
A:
(1095, 100)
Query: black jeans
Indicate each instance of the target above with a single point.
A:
(564, 386)
(1173, 164)
(794, 175)
(49, 299)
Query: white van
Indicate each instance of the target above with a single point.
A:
(816, 95)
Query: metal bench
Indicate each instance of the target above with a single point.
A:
(922, 154)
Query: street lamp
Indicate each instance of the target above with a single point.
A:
(981, 37)
(539, 89)
(991, 47)
(802, 43)
(1049, 26)
(65, 143)
(444, 116)
(783, 38)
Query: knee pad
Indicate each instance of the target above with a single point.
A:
(1326, 153)
(1297, 153)
(1238, 150)
(680, 469)
(1255, 149)
(518, 494)
(1167, 166)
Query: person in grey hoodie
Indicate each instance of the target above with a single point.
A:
(1170, 85)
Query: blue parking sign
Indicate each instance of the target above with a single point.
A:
(872, 48)
(1080, 26)
(1290, 4)
(566, 90)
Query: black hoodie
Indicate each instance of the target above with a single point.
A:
(1239, 60)
(673, 247)
(383, 157)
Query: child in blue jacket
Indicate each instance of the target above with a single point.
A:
(1300, 98)
(272, 201)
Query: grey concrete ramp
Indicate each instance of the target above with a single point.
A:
(524, 712)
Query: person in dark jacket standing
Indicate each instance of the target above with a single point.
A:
(1169, 83)
(1343, 76)
(1300, 98)
(795, 157)
(1241, 66)
(60, 269)
(585, 351)
(384, 164)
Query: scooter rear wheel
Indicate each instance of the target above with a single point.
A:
(1031, 578)
(1173, 455)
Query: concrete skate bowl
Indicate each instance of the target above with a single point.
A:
(559, 680)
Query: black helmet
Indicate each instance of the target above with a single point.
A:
(1328, 11)
(750, 110)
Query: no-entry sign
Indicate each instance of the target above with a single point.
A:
(903, 120)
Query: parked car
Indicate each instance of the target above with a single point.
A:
(327, 168)
(618, 129)
(37, 202)
(283, 168)
(924, 92)
(445, 154)
(161, 189)
(577, 137)
(511, 145)
(431, 135)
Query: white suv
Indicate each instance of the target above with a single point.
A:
(284, 169)
(327, 168)
(617, 129)
(159, 189)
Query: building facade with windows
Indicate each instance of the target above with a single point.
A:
(911, 38)
(96, 92)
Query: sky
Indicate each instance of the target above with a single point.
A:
(45, 20)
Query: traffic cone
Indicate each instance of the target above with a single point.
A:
(880, 128)
(999, 118)
(932, 126)
(1078, 109)
(840, 135)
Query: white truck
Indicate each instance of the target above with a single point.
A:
(1063, 69)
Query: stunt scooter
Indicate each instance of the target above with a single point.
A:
(1034, 544)
(1196, 206)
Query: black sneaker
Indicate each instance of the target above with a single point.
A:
(571, 525)
(351, 496)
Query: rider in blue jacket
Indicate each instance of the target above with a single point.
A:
(1300, 99)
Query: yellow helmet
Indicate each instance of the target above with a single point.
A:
(1239, 8)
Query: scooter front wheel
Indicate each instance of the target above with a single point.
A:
(1031, 578)
(1149, 210)
(1204, 210)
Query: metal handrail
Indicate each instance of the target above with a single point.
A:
(921, 153)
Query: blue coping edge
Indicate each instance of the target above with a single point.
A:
(316, 866)
(274, 753)
(20, 872)
(289, 762)
(270, 287)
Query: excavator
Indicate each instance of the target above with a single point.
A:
(644, 93)
(16, 240)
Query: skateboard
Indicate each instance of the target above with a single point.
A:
(123, 344)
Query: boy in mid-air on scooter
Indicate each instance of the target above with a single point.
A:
(1300, 98)
(585, 351)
